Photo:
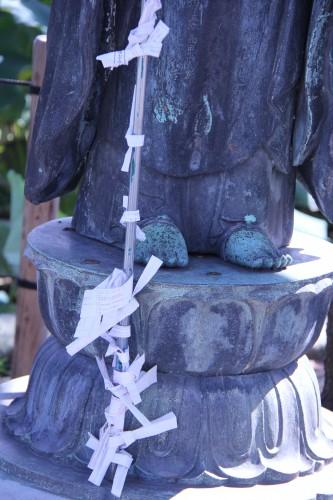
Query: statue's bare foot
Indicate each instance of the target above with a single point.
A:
(250, 247)
(164, 240)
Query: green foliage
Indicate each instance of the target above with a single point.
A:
(20, 22)
(32, 13)
(67, 204)
(46, 2)
(4, 366)
(11, 249)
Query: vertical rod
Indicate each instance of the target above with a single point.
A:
(134, 177)
(135, 167)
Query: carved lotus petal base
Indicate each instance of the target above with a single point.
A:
(263, 427)
(227, 342)
(208, 319)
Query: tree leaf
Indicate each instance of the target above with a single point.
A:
(28, 12)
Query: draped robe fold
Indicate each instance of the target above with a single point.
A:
(241, 94)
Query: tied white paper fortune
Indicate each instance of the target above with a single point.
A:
(102, 309)
(145, 40)
(107, 305)
(133, 140)
(132, 216)
(110, 447)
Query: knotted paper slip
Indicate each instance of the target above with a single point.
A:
(132, 216)
(145, 40)
(110, 447)
(104, 307)
(108, 304)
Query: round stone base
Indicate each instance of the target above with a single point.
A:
(227, 342)
(245, 429)
(26, 470)
(210, 318)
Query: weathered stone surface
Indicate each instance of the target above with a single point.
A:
(211, 318)
(227, 343)
(24, 468)
(224, 130)
(262, 427)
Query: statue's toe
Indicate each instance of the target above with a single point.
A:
(250, 247)
(287, 259)
(282, 261)
(165, 241)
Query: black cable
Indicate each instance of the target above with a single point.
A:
(33, 89)
(20, 282)
(30, 285)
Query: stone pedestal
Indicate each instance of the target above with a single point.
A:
(229, 344)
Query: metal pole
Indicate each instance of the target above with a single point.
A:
(134, 177)
(135, 167)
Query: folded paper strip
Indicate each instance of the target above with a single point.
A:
(113, 300)
(145, 40)
(132, 216)
(102, 309)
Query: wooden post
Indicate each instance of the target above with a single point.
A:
(30, 329)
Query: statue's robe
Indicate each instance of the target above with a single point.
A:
(221, 137)
(313, 132)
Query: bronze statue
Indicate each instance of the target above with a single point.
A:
(238, 105)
